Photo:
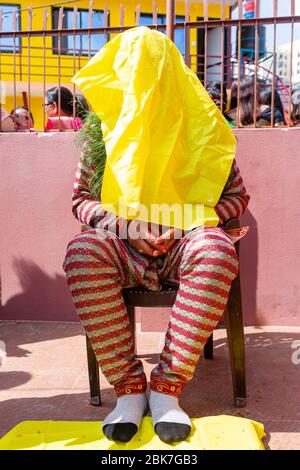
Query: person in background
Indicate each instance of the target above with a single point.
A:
(23, 118)
(60, 105)
(3, 114)
(246, 103)
(230, 114)
(266, 107)
(83, 107)
(214, 91)
(296, 108)
(7, 123)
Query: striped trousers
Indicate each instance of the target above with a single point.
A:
(98, 265)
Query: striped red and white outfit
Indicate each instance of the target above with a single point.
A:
(99, 264)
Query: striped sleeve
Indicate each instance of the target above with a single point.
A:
(234, 198)
(85, 208)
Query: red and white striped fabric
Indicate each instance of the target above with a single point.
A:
(99, 264)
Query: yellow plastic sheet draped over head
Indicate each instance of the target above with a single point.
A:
(169, 149)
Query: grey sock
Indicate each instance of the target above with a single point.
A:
(170, 422)
(125, 419)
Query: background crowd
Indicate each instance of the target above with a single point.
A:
(239, 105)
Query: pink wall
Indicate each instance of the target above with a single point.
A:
(37, 176)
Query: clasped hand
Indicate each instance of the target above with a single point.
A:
(151, 239)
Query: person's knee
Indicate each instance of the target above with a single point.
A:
(225, 258)
(213, 248)
(92, 244)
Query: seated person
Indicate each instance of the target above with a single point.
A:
(3, 114)
(266, 107)
(23, 118)
(7, 122)
(60, 112)
(296, 108)
(247, 107)
(184, 132)
(214, 91)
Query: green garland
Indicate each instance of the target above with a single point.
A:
(90, 140)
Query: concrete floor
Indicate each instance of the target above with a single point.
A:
(44, 376)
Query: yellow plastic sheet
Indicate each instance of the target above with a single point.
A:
(209, 433)
(166, 141)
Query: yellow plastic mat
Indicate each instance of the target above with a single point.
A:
(209, 433)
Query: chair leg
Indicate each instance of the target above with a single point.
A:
(131, 316)
(233, 316)
(208, 348)
(93, 368)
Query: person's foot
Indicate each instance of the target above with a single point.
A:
(170, 422)
(125, 419)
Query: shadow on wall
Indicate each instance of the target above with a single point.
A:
(249, 269)
(42, 297)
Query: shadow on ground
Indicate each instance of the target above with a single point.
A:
(273, 384)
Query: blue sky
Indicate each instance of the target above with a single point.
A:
(283, 35)
(283, 31)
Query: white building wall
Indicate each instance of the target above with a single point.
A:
(283, 62)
